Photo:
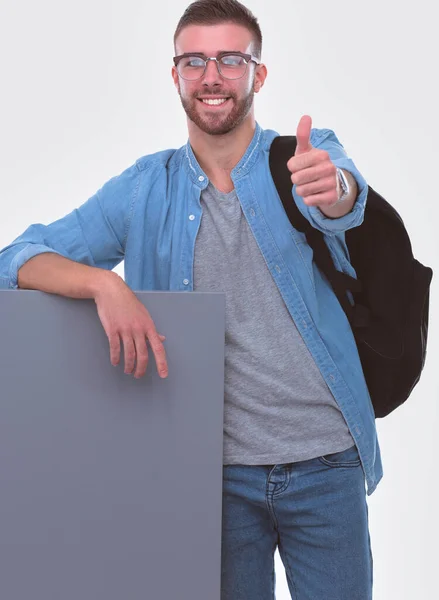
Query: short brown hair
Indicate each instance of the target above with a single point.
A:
(212, 12)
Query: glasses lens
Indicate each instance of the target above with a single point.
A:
(232, 66)
(191, 67)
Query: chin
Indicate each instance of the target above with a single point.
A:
(216, 128)
(216, 124)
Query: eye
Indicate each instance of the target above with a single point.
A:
(232, 60)
(192, 61)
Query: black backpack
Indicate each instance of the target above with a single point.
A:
(389, 317)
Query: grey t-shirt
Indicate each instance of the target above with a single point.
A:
(278, 408)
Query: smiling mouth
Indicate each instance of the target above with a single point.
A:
(213, 101)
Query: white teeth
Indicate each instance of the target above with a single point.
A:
(215, 101)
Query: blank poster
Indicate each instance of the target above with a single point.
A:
(110, 486)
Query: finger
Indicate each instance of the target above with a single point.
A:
(159, 353)
(141, 356)
(324, 184)
(162, 337)
(129, 352)
(114, 342)
(310, 166)
(303, 135)
(323, 199)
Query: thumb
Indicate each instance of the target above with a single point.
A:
(303, 135)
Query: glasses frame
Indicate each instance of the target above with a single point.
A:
(247, 57)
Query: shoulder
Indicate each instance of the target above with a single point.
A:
(323, 136)
(161, 160)
(320, 137)
(126, 186)
(144, 170)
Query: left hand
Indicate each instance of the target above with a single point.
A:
(313, 172)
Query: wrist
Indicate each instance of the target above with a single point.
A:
(102, 282)
(343, 188)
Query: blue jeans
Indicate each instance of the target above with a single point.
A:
(315, 512)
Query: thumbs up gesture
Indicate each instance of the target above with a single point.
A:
(312, 171)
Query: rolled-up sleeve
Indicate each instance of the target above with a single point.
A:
(93, 234)
(326, 139)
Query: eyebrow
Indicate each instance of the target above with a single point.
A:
(217, 54)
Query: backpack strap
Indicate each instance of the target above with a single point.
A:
(281, 150)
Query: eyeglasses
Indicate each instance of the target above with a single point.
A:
(231, 65)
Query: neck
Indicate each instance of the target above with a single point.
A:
(217, 155)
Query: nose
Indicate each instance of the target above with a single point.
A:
(211, 74)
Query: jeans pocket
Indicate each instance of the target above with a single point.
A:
(345, 458)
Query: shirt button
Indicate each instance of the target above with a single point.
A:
(191, 217)
(186, 281)
(252, 212)
(200, 178)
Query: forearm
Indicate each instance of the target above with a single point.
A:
(345, 207)
(54, 274)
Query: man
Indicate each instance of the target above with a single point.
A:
(299, 430)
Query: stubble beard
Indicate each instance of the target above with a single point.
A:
(217, 124)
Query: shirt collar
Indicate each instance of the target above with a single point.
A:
(200, 178)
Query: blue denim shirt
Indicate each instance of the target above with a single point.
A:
(149, 216)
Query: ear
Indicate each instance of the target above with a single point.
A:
(174, 73)
(260, 76)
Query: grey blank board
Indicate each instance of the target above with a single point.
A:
(110, 487)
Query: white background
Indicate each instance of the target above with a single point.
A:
(86, 89)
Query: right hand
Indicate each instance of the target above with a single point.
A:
(124, 317)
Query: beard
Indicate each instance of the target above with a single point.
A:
(218, 124)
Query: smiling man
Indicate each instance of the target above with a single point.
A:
(224, 103)
(300, 440)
